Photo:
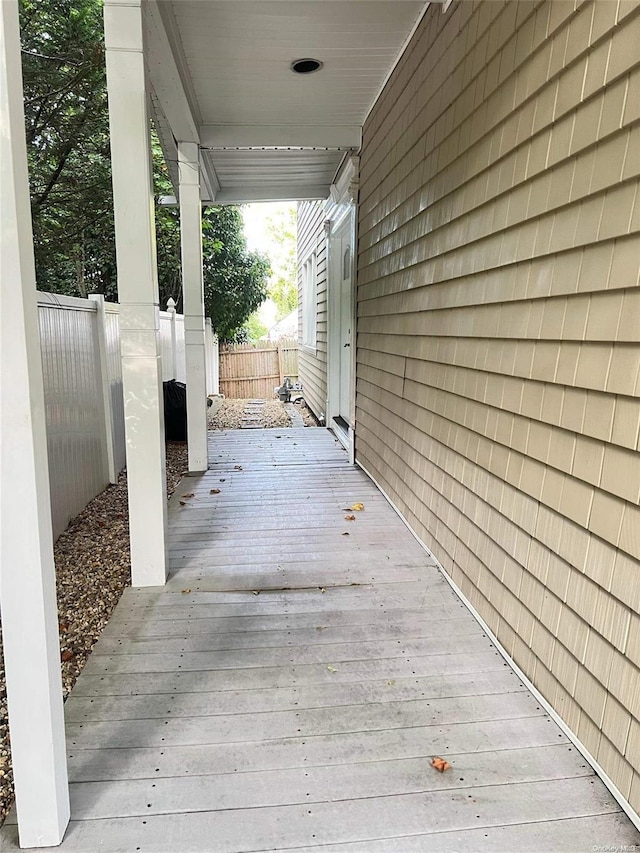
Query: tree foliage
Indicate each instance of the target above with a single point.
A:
(235, 280)
(68, 145)
(283, 286)
(67, 126)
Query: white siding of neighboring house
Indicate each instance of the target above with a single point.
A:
(313, 360)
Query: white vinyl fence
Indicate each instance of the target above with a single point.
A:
(80, 346)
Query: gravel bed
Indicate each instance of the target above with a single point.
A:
(92, 569)
(229, 414)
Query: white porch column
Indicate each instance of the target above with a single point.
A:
(137, 290)
(193, 302)
(27, 573)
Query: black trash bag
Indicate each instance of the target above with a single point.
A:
(175, 410)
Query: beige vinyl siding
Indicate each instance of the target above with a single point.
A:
(313, 361)
(499, 336)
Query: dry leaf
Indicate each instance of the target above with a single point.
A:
(188, 495)
(67, 655)
(185, 591)
(321, 628)
(350, 517)
(332, 669)
(391, 682)
(182, 503)
(346, 533)
(322, 589)
(63, 627)
(214, 491)
(440, 764)
(357, 507)
(256, 592)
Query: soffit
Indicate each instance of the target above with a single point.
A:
(233, 59)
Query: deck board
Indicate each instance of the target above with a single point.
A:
(288, 687)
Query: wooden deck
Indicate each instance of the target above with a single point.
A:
(289, 686)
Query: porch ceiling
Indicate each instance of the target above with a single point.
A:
(220, 75)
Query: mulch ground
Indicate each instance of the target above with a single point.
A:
(93, 566)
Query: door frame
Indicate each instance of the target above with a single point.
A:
(344, 213)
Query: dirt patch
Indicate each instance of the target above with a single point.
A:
(93, 567)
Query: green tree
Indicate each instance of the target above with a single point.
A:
(235, 280)
(68, 145)
(283, 285)
(66, 117)
(255, 328)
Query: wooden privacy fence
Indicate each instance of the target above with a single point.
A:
(252, 372)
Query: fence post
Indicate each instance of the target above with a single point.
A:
(216, 364)
(171, 311)
(280, 361)
(103, 378)
(213, 367)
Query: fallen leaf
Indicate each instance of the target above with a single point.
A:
(182, 503)
(185, 591)
(357, 507)
(188, 495)
(321, 628)
(440, 764)
(322, 589)
(67, 655)
(346, 533)
(256, 592)
(332, 669)
(350, 517)
(214, 491)
(63, 627)
(391, 682)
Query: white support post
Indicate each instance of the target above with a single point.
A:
(27, 572)
(193, 301)
(213, 359)
(171, 311)
(103, 369)
(137, 290)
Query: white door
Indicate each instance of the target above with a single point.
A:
(345, 323)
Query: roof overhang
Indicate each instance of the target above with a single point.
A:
(220, 76)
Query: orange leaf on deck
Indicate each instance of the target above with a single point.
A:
(67, 655)
(350, 517)
(440, 764)
(185, 591)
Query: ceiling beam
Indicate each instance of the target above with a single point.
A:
(164, 72)
(283, 192)
(269, 136)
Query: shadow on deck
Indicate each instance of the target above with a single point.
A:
(290, 685)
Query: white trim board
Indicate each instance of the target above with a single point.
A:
(613, 789)
(401, 52)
